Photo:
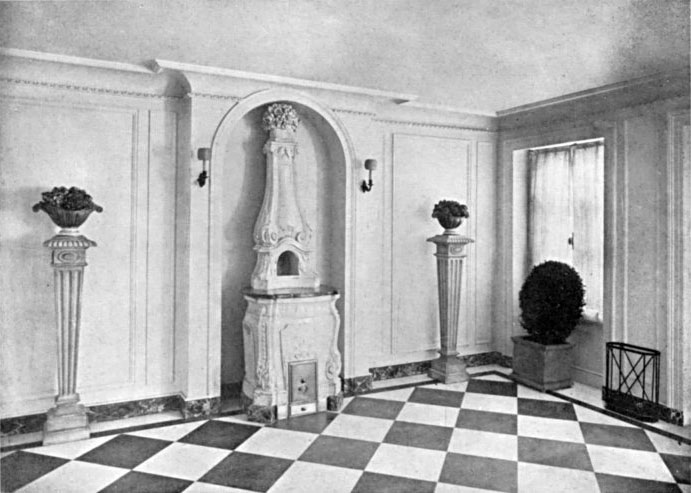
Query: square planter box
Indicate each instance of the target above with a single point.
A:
(540, 366)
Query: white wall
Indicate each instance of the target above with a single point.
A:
(122, 150)
(641, 232)
(161, 303)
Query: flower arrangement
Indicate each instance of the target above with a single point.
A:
(280, 116)
(450, 213)
(68, 208)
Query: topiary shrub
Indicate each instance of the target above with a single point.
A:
(551, 302)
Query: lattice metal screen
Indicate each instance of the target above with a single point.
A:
(632, 385)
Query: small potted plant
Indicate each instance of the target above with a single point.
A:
(450, 213)
(68, 208)
(551, 301)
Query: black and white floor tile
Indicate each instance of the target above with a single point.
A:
(488, 434)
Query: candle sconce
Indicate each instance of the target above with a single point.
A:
(204, 155)
(370, 165)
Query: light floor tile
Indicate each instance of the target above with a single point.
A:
(685, 488)
(480, 369)
(536, 478)
(71, 450)
(626, 462)
(183, 461)
(275, 442)
(584, 393)
(668, 445)
(454, 488)
(239, 418)
(487, 402)
(549, 428)
(170, 433)
(213, 488)
(307, 476)
(455, 387)
(392, 395)
(428, 414)
(409, 462)
(528, 393)
(493, 378)
(75, 477)
(589, 416)
(358, 427)
(484, 444)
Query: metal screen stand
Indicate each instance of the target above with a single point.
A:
(632, 385)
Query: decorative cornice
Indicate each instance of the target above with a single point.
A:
(208, 95)
(159, 66)
(73, 60)
(434, 125)
(606, 90)
(85, 89)
(369, 114)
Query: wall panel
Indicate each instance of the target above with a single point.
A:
(124, 156)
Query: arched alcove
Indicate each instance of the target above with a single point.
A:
(322, 180)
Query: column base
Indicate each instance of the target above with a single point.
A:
(448, 369)
(66, 423)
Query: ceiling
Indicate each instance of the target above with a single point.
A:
(477, 55)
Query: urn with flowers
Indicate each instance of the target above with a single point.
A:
(68, 208)
(450, 214)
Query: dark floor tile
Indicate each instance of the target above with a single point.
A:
(248, 471)
(311, 423)
(437, 397)
(679, 466)
(21, 468)
(220, 434)
(126, 451)
(546, 409)
(419, 435)
(139, 482)
(480, 472)
(341, 452)
(618, 484)
(616, 436)
(371, 482)
(492, 387)
(374, 408)
(554, 453)
(487, 421)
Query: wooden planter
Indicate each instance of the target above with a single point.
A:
(540, 366)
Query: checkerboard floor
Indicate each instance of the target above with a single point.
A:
(487, 434)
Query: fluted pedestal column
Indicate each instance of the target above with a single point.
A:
(448, 368)
(67, 421)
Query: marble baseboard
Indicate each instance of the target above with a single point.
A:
(121, 410)
(130, 409)
(20, 425)
(258, 414)
(201, 408)
(422, 367)
(334, 402)
(357, 385)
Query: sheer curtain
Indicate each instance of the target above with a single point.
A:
(550, 221)
(566, 212)
(588, 206)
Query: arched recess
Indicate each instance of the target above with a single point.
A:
(217, 193)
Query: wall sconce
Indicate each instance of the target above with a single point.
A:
(370, 165)
(204, 155)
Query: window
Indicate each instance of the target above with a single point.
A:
(566, 212)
